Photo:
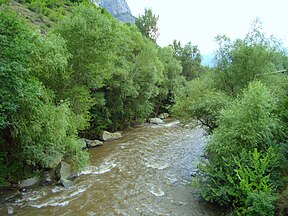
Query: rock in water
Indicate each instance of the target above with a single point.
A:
(49, 177)
(92, 143)
(64, 170)
(156, 121)
(66, 183)
(110, 136)
(28, 182)
(163, 116)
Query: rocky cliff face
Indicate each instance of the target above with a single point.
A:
(118, 9)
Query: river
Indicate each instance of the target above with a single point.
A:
(146, 172)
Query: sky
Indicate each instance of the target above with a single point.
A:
(200, 21)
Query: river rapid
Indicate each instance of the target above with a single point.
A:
(146, 172)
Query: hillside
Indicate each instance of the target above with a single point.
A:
(43, 15)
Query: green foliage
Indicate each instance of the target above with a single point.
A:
(34, 127)
(38, 6)
(282, 205)
(190, 59)
(248, 123)
(242, 61)
(282, 111)
(147, 25)
(16, 44)
(49, 134)
(2, 2)
(258, 203)
(198, 100)
(238, 176)
(254, 177)
(92, 55)
(131, 90)
(90, 62)
(256, 191)
(170, 82)
(244, 161)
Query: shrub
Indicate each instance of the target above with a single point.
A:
(248, 123)
(243, 157)
(199, 101)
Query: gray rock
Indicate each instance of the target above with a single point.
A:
(94, 143)
(66, 183)
(29, 182)
(156, 121)
(49, 177)
(105, 136)
(163, 116)
(65, 171)
(10, 210)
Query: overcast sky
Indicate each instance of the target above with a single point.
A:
(199, 21)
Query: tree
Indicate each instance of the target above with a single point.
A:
(147, 25)
(190, 59)
(244, 60)
(199, 101)
(172, 80)
(91, 39)
(34, 127)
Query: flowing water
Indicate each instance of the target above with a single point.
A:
(147, 172)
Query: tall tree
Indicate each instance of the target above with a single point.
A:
(190, 58)
(171, 82)
(147, 25)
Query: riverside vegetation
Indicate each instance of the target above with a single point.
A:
(242, 101)
(69, 70)
(72, 71)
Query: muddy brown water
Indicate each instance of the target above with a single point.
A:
(147, 172)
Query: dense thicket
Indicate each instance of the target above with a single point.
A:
(243, 103)
(88, 73)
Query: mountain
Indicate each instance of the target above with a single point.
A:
(118, 9)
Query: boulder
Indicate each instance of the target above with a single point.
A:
(49, 177)
(64, 171)
(163, 116)
(92, 143)
(28, 182)
(105, 136)
(66, 183)
(156, 121)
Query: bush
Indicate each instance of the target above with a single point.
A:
(50, 132)
(35, 125)
(282, 204)
(231, 180)
(199, 101)
(248, 123)
(258, 203)
(243, 157)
